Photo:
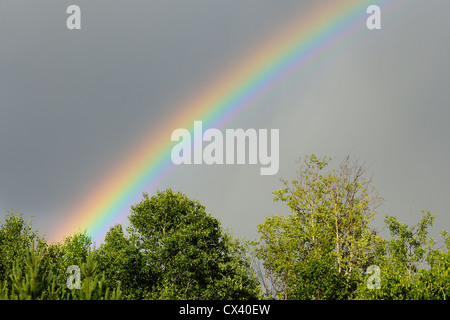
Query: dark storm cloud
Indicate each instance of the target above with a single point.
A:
(72, 102)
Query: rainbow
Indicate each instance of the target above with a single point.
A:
(298, 43)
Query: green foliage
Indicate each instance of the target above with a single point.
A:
(73, 250)
(76, 248)
(93, 283)
(316, 278)
(188, 256)
(122, 262)
(409, 248)
(35, 282)
(326, 237)
(175, 250)
(38, 282)
(16, 238)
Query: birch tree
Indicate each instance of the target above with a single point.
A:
(322, 248)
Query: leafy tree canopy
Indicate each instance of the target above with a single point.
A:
(326, 237)
(188, 255)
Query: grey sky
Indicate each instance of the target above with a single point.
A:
(72, 102)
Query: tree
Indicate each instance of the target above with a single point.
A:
(76, 248)
(16, 239)
(410, 247)
(72, 250)
(93, 283)
(32, 283)
(321, 250)
(188, 255)
(411, 266)
(31, 269)
(123, 262)
(36, 279)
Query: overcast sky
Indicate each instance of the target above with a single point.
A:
(73, 102)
